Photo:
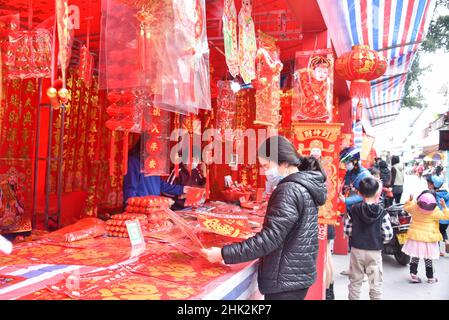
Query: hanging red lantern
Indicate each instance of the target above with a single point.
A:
(360, 66)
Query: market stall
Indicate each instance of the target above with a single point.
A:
(103, 76)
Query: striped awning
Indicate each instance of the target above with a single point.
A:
(393, 27)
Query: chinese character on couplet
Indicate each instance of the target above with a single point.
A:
(152, 164)
(307, 134)
(316, 132)
(154, 146)
(156, 112)
(155, 129)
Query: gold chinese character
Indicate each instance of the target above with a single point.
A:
(154, 146)
(13, 117)
(30, 87)
(27, 118)
(14, 100)
(154, 129)
(156, 112)
(152, 164)
(28, 103)
(25, 134)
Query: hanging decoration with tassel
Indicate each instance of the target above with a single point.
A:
(360, 66)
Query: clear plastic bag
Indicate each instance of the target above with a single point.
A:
(83, 229)
(27, 54)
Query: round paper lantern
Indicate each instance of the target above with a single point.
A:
(360, 66)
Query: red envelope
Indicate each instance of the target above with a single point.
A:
(194, 196)
(233, 226)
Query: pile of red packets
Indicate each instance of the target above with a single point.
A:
(236, 191)
(154, 209)
(116, 227)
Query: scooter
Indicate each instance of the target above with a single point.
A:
(400, 222)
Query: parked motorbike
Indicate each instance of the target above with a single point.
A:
(400, 222)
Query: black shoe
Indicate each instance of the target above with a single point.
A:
(330, 293)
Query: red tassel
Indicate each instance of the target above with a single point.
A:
(125, 153)
(111, 154)
(177, 137)
(360, 89)
(207, 184)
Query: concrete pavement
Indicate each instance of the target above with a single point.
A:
(396, 277)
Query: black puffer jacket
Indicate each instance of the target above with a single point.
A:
(288, 242)
(385, 174)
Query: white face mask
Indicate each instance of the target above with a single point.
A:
(349, 166)
(272, 172)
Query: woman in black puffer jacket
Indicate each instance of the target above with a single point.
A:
(287, 245)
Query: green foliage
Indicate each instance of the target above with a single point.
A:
(437, 39)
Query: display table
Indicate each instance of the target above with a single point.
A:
(167, 269)
(177, 277)
(29, 283)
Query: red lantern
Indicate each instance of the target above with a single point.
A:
(360, 66)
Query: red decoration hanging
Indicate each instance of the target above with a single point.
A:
(360, 66)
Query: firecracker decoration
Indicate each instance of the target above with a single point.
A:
(230, 37)
(267, 82)
(360, 66)
(313, 86)
(124, 117)
(247, 43)
(322, 140)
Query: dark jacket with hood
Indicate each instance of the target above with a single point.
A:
(385, 174)
(367, 226)
(288, 242)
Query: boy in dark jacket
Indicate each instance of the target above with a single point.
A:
(368, 226)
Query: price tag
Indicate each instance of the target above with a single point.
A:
(135, 235)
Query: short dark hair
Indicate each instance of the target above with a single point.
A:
(374, 171)
(394, 160)
(368, 187)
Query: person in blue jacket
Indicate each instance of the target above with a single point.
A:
(355, 173)
(350, 157)
(136, 184)
(435, 183)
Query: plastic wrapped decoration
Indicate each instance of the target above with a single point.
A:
(230, 37)
(267, 82)
(119, 64)
(247, 42)
(83, 229)
(125, 115)
(313, 86)
(186, 82)
(226, 107)
(160, 47)
(27, 54)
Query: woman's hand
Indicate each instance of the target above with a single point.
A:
(213, 254)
